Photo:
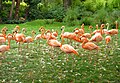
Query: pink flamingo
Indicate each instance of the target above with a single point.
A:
(98, 35)
(4, 48)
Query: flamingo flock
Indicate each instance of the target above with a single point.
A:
(87, 40)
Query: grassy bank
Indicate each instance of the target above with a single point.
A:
(41, 63)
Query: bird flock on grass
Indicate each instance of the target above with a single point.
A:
(86, 40)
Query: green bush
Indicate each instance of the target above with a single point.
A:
(71, 17)
(87, 21)
(5, 11)
(14, 21)
(90, 5)
(35, 14)
(101, 16)
(58, 13)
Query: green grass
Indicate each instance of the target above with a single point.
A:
(36, 64)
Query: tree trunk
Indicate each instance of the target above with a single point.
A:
(0, 10)
(0, 5)
(13, 4)
(17, 9)
(67, 4)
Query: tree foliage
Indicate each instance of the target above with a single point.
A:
(60, 10)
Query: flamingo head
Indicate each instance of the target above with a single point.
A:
(76, 29)
(102, 26)
(116, 22)
(41, 28)
(33, 32)
(107, 24)
(90, 27)
(18, 28)
(82, 26)
(24, 29)
(10, 36)
(96, 26)
(84, 39)
(62, 28)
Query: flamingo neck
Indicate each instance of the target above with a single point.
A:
(107, 26)
(101, 30)
(83, 43)
(33, 35)
(9, 43)
(96, 27)
(42, 34)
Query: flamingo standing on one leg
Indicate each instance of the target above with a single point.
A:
(89, 46)
(68, 49)
(29, 39)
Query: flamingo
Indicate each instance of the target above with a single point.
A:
(4, 48)
(39, 36)
(10, 37)
(51, 41)
(19, 38)
(107, 39)
(3, 30)
(17, 28)
(90, 27)
(50, 35)
(80, 31)
(88, 35)
(68, 35)
(95, 30)
(114, 31)
(68, 48)
(3, 36)
(98, 35)
(55, 33)
(29, 39)
(87, 45)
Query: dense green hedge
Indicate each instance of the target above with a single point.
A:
(79, 12)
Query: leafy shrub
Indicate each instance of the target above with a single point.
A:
(58, 13)
(35, 14)
(71, 17)
(89, 5)
(14, 21)
(4, 14)
(87, 21)
(101, 16)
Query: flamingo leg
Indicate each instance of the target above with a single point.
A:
(18, 47)
(2, 56)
